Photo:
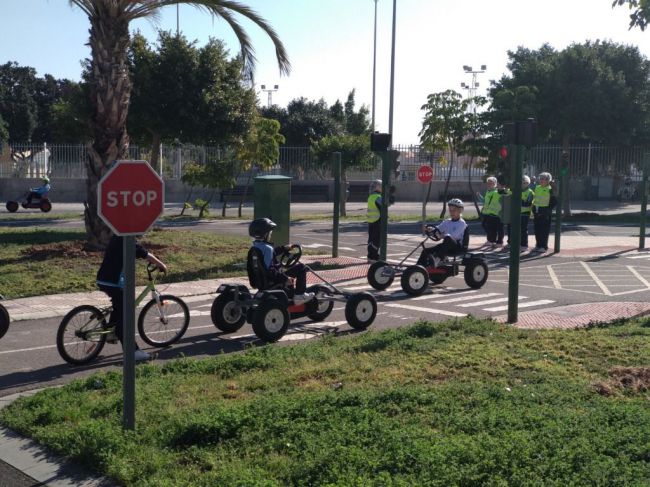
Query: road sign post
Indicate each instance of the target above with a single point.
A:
(336, 163)
(425, 176)
(644, 199)
(562, 194)
(131, 197)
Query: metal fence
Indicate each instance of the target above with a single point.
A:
(69, 161)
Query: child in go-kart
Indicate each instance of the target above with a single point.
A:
(451, 231)
(40, 191)
(261, 230)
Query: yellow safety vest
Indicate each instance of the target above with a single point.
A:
(525, 194)
(373, 212)
(492, 205)
(542, 196)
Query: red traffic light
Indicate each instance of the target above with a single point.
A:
(503, 152)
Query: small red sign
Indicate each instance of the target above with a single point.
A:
(425, 174)
(131, 197)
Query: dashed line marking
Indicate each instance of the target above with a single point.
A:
(556, 281)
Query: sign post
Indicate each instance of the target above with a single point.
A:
(425, 176)
(644, 199)
(131, 197)
(336, 163)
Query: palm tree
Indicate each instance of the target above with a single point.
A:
(110, 86)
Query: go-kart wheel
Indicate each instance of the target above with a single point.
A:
(360, 310)
(378, 278)
(45, 206)
(322, 307)
(270, 320)
(225, 314)
(12, 206)
(476, 274)
(4, 321)
(415, 280)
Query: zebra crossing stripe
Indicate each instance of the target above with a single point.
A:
(466, 298)
(487, 301)
(640, 257)
(441, 295)
(428, 310)
(522, 305)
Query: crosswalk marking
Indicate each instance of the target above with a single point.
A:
(441, 295)
(522, 305)
(639, 257)
(427, 310)
(466, 298)
(487, 301)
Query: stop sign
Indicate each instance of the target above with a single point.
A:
(425, 174)
(131, 197)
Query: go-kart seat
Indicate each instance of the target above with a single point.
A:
(258, 276)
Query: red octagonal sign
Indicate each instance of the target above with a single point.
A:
(425, 174)
(131, 197)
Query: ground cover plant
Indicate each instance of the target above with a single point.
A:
(41, 261)
(464, 402)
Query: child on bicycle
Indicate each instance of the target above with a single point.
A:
(110, 280)
(261, 230)
(452, 233)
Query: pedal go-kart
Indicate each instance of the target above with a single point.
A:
(415, 278)
(271, 308)
(4, 319)
(43, 203)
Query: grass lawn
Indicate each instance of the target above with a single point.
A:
(39, 261)
(463, 402)
(40, 216)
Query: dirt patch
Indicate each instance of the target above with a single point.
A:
(625, 379)
(69, 250)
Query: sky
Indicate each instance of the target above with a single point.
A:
(330, 43)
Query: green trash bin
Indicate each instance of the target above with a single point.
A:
(273, 200)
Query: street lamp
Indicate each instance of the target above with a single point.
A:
(472, 87)
(374, 70)
(270, 92)
(392, 74)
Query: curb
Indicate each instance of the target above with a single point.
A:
(39, 463)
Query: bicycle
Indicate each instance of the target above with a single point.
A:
(83, 332)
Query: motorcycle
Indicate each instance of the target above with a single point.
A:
(43, 203)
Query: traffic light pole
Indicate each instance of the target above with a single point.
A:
(561, 194)
(336, 164)
(514, 238)
(644, 200)
(386, 158)
(128, 334)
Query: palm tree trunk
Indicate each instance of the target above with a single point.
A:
(110, 89)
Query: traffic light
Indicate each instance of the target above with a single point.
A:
(503, 153)
(379, 142)
(521, 133)
(565, 159)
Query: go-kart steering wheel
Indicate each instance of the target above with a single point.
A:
(291, 256)
(432, 232)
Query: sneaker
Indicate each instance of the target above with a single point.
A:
(303, 298)
(141, 355)
(538, 249)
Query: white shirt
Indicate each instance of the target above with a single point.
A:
(453, 228)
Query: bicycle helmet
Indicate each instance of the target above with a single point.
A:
(260, 228)
(458, 203)
(45, 179)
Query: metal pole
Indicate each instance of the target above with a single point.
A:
(386, 157)
(392, 75)
(374, 70)
(178, 29)
(558, 209)
(644, 200)
(128, 334)
(336, 162)
(515, 232)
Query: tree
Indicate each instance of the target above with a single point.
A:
(355, 153)
(110, 83)
(261, 149)
(181, 92)
(18, 107)
(303, 121)
(640, 15)
(444, 127)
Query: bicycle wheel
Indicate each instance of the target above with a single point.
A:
(160, 326)
(81, 335)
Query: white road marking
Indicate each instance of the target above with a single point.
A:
(466, 298)
(639, 257)
(427, 310)
(522, 305)
(638, 276)
(441, 295)
(593, 275)
(556, 281)
(487, 301)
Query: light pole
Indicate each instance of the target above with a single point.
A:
(374, 70)
(270, 92)
(392, 75)
(471, 88)
(178, 29)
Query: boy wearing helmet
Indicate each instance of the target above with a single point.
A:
(261, 230)
(451, 231)
(40, 191)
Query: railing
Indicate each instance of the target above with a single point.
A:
(69, 161)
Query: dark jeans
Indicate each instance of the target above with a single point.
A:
(492, 224)
(524, 230)
(542, 223)
(374, 236)
(446, 247)
(297, 271)
(117, 316)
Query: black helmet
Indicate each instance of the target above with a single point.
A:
(260, 227)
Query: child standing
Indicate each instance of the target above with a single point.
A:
(543, 203)
(491, 211)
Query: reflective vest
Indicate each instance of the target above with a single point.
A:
(542, 196)
(373, 212)
(492, 205)
(527, 195)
